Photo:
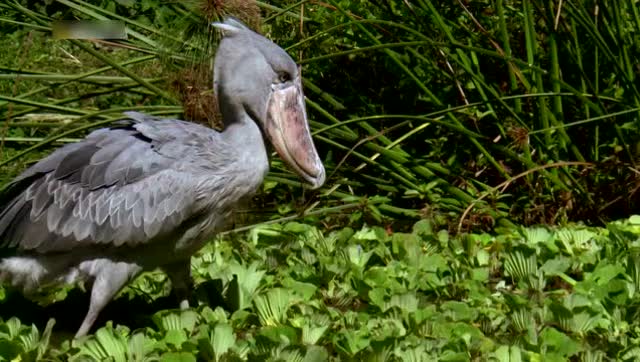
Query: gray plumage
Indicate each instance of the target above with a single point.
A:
(125, 186)
(148, 192)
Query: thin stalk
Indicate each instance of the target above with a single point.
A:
(506, 45)
(135, 23)
(589, 120)
(319, 212)
(29, 25)
(583, 84)
(393, 174)
(384, 46)
(583, 18)
(67, 78)
(347, 133)
(554, 61)
(43, 105)
(427, 118)
(38, 139)
(292, 14)
(285, 10)
(420, 84)
(531, 46)
(77, 77)
(124, 71)
(555, 66)
(596, 85)
(125, 87)
(83, 8)
(309, 85)
(349, 23)
(105, 59)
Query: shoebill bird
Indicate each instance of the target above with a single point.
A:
(147, 193)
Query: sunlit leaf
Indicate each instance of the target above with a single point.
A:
(272, 306)
(558, 342)
(508, 354)
(536, 235)
(311, 334)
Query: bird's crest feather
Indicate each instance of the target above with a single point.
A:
(230, 26)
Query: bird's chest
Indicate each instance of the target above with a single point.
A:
(218, 198)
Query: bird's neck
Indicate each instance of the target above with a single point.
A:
(242, 130)
(244, 136)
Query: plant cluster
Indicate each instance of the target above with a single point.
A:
(468, 115)
(293, 293)
(474, 113)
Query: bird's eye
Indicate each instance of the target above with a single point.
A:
(284, 77)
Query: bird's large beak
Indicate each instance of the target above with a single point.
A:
(288, 130)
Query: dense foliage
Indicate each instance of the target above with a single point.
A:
(466, 112)
(469, 115)
(294, 293)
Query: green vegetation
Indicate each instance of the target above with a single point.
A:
(451, 121)
(293, 293)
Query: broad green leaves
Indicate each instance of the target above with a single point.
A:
(294, 293)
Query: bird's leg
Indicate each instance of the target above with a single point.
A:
(109, 278)
(180, 275)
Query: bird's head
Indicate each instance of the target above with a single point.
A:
(254, 77)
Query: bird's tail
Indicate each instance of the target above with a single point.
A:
(10, 200)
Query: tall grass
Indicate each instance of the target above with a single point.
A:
(524, 110)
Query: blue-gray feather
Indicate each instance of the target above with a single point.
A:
(119, 186)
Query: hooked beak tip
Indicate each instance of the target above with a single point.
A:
(317, 181)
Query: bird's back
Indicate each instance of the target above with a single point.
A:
(147, 181)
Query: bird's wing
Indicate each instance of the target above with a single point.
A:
(123, 185)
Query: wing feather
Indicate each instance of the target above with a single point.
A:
(125, 185)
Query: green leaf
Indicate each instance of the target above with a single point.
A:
(107, 343)
(245, 284)
(304, 290)
(377, 296)
(376, 276)
(141, 347)
(177, 357)
(297, 228)
(280, 334)
(556, 266)
(9, 350)
(458, 311)
(213, 316)
(352, 341)
(222, 339)
(175, 337)
(366, 234)
(357, 256)
(316, 354)
(535, 235)
(558, 342)
(423, 228)
(483, 257)
(272, 307)
(311, 334)
(520, 266)
(381, 329)
(176, 320)
(604, 273)
(406, 303)
(508, 354)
